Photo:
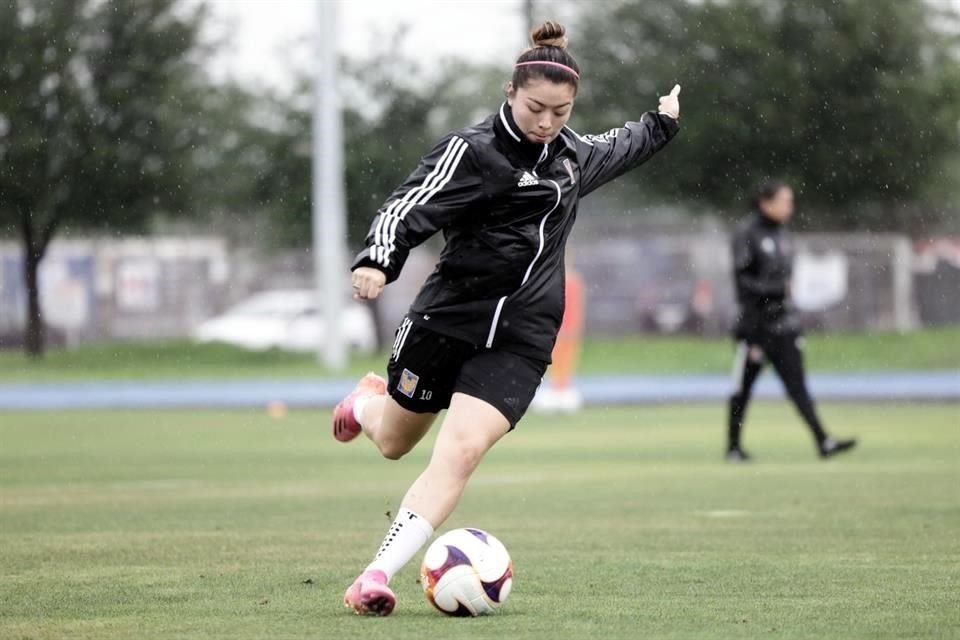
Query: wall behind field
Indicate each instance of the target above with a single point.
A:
(131, 289)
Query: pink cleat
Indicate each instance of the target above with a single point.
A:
(345, 425)
(369, 595)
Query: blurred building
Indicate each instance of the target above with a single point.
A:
(128, 289)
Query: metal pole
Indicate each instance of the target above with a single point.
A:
(528, 19)
(904, 309)
(328, 197)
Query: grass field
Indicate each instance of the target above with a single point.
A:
(927, 349)
(622, 524)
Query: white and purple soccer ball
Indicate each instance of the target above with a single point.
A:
(467, 572)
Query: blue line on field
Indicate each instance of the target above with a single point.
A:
(597, 390)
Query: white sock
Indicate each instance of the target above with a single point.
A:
(358, 406)
(407, 534)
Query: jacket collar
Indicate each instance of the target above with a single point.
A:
(510, 134)
(507, 127)
(764, 220)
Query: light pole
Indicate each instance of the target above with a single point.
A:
(329, 229)
(528, 20)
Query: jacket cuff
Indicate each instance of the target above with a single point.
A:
(670, 125)
(363, 259)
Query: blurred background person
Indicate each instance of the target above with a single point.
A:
(768, 327)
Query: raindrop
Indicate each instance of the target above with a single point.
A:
(27, 16)
(49, 83)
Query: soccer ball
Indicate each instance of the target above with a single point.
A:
(467, 572)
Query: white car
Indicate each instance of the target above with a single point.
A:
(286, 319)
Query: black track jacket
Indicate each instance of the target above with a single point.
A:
(505, 206)
(763, 265)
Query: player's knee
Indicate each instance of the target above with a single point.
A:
(465, 456)
(393, 448)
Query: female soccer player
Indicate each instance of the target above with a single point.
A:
(478, 337)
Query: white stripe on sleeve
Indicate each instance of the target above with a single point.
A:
(385, 232)
(442, 175)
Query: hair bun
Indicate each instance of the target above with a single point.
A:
(549, 34)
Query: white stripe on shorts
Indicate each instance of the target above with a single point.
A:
(402, 334)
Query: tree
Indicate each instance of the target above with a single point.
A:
(392, 114)
(856, 101)
(98, 121)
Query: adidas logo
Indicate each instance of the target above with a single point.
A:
(528, 180)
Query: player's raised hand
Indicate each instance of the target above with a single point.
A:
(368, 283)
(670, 105)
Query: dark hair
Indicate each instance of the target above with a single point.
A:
(549, 45)
(767, 191)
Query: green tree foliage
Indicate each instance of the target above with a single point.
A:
(392, 124)
(856, 101)
(392, 113)
(98, 120)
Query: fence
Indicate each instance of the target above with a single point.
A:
(683, 283)
(936, 270)
(97, 290)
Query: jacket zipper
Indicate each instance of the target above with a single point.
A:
(526, 276)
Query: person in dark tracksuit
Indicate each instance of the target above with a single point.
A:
(477, 339)
(767, 328)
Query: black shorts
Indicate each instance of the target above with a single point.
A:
(427, 368)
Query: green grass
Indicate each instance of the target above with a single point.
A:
(166, 360)
(622, 524)
(928, 349)
(921, 350)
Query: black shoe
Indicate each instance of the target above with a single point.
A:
(737, 455)
(830, 447)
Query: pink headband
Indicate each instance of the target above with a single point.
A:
(550, 64)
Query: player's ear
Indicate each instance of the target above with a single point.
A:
(510, 91)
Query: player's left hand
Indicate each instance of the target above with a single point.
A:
(670, 105)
